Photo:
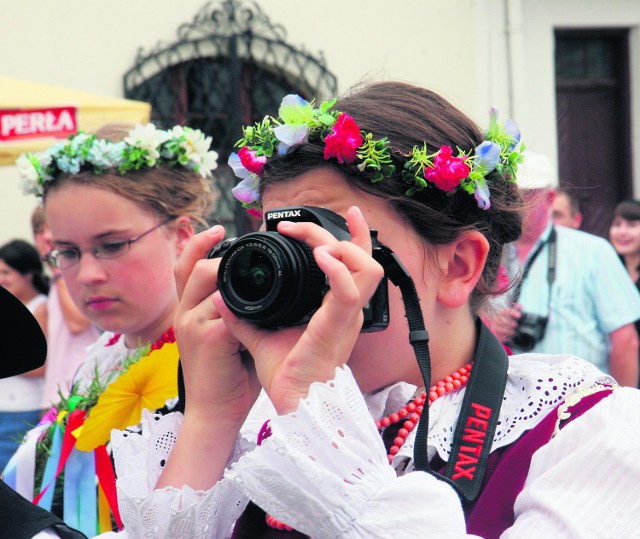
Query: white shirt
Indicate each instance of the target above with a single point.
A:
(325, 472)
(22, 393)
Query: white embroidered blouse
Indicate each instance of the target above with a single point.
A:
(324, 470)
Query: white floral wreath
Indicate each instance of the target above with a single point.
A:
(146, 146)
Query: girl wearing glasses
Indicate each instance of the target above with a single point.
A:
(121, 206)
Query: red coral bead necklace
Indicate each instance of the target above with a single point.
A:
(413, 410)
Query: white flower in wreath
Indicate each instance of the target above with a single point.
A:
(79, 140)
(147, 137)
(32, 170)
(44, 160)
(102, 154)
(26, 169)
(209, 163)
(196, 147)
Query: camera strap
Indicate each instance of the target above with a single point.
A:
(482, 401)
(551, 269)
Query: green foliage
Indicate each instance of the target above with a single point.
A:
(376, 156)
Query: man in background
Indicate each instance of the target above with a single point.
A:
(574, 295)
(566, 209)
(68, 331)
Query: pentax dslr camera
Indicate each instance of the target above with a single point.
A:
(531, 328)
(273, 281)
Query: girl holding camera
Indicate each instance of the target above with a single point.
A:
(401, 432)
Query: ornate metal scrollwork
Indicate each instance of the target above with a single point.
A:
(229, 66)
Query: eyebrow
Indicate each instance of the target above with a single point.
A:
(99, 237)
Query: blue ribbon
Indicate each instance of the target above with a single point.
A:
(50, 469)
(80, 493)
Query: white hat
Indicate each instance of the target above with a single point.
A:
(536, 172)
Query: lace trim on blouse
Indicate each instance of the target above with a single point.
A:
(324, 462)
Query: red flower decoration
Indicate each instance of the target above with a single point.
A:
(447, 171)
(251, 161)
(344, 140)
(255, 212)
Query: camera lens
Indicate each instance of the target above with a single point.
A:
(271, 280)
(524, 341)
(253, 277)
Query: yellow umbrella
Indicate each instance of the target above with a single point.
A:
(149, 383)
(34, 115)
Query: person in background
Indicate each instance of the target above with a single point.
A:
(22, 274)
(574, 295)
(566, 209)
(121, 205)
(359, 433)
(69, 332)
(22, 336)
(624, 235)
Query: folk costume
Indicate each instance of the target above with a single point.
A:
(68, 448)
(324, 471)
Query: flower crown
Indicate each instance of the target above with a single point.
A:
(145, 146)
(343, 140)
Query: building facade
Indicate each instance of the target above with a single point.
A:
(568, 71)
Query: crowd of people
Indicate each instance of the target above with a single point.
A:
(573, 294)
(343, 372)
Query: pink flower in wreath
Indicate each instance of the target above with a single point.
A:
(251, 161)
(447, 171)
(344, 140)
(255, 212)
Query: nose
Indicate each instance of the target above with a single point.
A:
(623, 230)
(90, 269)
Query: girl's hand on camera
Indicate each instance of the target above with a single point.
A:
(289, 360)
(216, 378)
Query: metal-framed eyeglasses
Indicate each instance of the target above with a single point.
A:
(64, 258)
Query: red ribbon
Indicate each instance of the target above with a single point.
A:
(107, 480)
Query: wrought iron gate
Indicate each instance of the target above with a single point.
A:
(230, 66)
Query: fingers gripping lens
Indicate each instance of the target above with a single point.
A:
(273, 280)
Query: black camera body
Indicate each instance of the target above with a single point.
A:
(531, 329)
(273, 281)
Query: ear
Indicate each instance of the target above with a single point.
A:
(183, 229)
(461, 264)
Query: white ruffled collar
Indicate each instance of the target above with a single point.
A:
(536, 384)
